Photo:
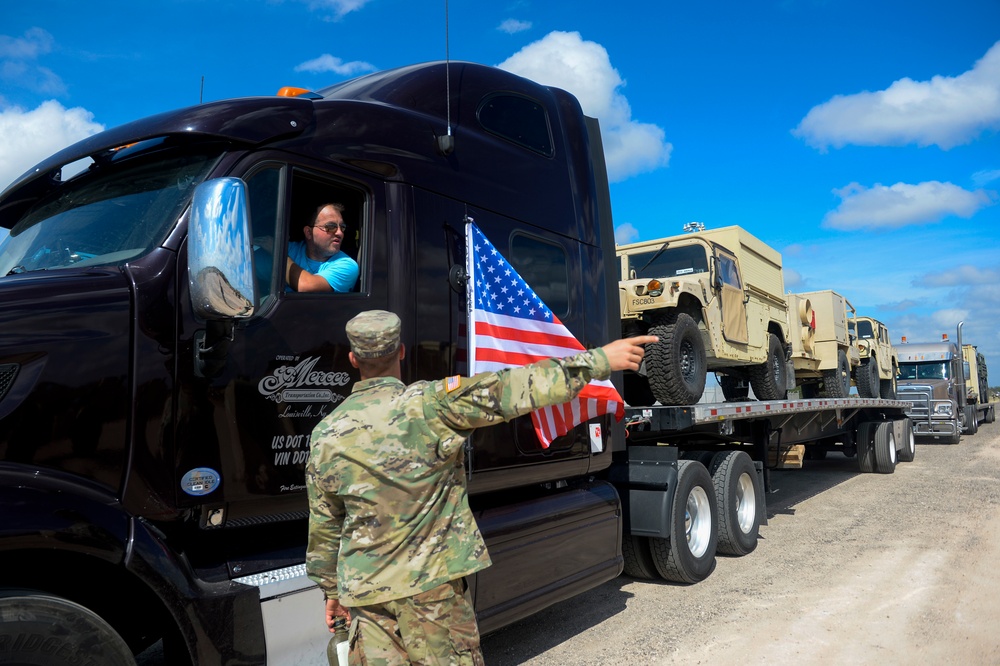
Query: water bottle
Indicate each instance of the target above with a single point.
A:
(338, 647)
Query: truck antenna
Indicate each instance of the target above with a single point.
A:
(446, 143)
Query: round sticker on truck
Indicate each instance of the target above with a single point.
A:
(200, 481)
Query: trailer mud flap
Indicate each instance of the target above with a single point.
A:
(646, 483)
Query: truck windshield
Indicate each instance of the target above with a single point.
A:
(938, 370)
(119, 209)
(865, 330)
(671, 262)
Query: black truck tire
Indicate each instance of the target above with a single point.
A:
(865, 448)
(990, 415)
(887, 388)
(971, 420)
(676, 365)
(909, 450)
(688, 556)
(39, 629)
(867, 379)
(737, 490)
(769, 380)
(638, 560)
(884, 446)
(734, 389)
(837, 382)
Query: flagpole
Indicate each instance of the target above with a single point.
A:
(470, 294)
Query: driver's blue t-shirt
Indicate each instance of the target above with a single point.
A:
(339, 270)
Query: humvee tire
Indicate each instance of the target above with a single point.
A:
(676, 365)
(769, 379)
(837, 382)
(866, 376)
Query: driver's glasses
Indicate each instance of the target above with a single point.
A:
(332, 228)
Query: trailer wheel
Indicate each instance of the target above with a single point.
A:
(885, 448)
(676, 365)
(887, 388)
(867, 379)
(734, 388)
(837, 382)
(688, 556)
(638, 560)
(737, 491)
(865, 449)
(769, 379)
(909, 450)
(971, 420)
(38, 629)
(990, 415)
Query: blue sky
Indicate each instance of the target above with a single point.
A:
(859, 138)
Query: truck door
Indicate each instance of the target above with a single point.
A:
(734, 309)
(243, 429)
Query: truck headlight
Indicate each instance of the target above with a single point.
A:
(943, 409)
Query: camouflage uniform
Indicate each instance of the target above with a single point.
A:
(390, 529)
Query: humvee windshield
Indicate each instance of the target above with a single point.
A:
(120, 208)
(936, 370)
(865, 330)
(671, 262)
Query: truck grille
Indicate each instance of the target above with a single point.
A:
(8, 371)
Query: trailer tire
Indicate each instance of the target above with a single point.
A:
(837, 382)
(734, 389)
(40, 629)
(884, 447)
(676, 365)
(638, 560)
(688, 556)
(909, 450)
(737, 490)
(867, 379)
(769, 380)
(865, 448)
(990, 415)
(887, 388)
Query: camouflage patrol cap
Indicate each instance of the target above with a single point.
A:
(374, 334)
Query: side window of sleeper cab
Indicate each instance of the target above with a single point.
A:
(544, 266)
(329, 249)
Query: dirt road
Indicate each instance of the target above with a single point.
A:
(850, 569)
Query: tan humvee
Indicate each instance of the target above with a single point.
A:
(823, 353)
(876, 376)
(715, 299)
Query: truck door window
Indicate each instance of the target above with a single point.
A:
(309, 191)
(730, 274)
(543, 266)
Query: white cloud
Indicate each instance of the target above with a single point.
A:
(959, 276)
(946, 111)
(18, 66)
(565, 60)
(626, 233)
(902, 204)
(31, 136)
(512, 26)
(793, 279)
(986, 176)
(340, 8)
(329, 63)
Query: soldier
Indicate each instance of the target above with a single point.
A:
(391, 535)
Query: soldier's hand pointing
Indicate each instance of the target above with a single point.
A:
(627, 354)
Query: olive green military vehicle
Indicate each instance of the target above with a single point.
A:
(876, 376)
(714, 298)
(824, 356)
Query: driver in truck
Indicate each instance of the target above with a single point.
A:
(317, 263)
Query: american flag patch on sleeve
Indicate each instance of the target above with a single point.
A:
(452, 383)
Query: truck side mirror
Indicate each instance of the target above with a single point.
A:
(220, 253)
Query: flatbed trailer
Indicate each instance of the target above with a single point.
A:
(693, 479)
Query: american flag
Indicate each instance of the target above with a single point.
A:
(513, 327)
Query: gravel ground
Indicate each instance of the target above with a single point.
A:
(851, 568)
